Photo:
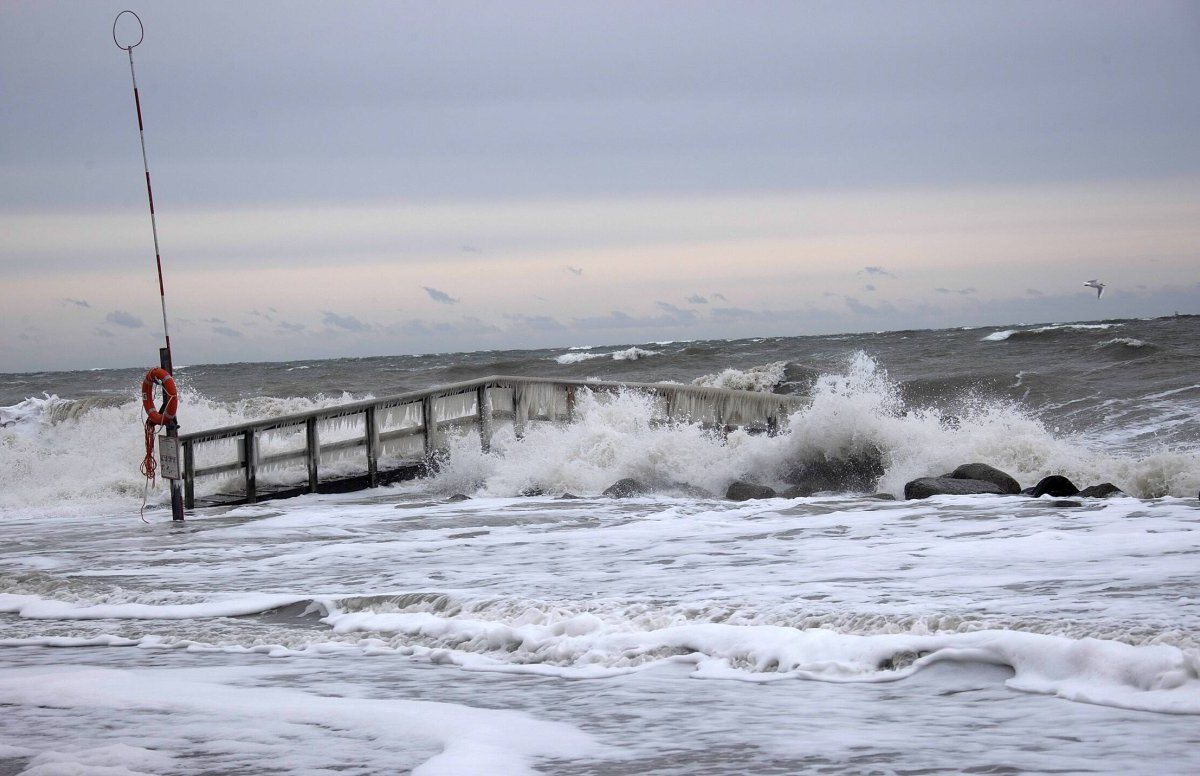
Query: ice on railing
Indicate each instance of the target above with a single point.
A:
(541, 400)
(401, 449)
(218, 452)
(723, 407)
(503, 399)
(281, 452)
(690, 407)
(400, 416)
(743, 409)
(341, 428)
(454, 406)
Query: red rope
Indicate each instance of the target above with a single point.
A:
(149, 465)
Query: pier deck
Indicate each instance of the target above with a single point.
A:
(377, 442)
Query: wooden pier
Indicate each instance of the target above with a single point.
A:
(380, 441)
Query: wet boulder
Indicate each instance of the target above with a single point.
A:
(925, 487)
(986, 473)
(685, 490)
(1103, 490)
(856, 472)
(797, 491)
(1055, 485)
(625, 488)
(744, 491)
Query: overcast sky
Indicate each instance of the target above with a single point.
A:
(376, 178)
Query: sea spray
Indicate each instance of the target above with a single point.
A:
(856, 413)
(68, 456)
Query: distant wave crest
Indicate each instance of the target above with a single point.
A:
(1001, 336)
(629, 354)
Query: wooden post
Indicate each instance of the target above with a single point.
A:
(430, 422)
(483, 403)
(520, 410)
(312, 450)
(172, 427)
(250, 451)
(372, 447)
(189, 476)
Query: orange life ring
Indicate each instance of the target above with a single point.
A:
(163, 415)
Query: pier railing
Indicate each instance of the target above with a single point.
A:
(379, 441)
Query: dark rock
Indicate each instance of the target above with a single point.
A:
(982, 471)
(532, 490)
(1055, 485)
(1103, 490)
(744, 491)
(625, 488)
(685, 490)
(796, 492)
(948, 486)
(459, 497)
(882, 497)
(857, 472)
(567, 496)
(1065, 503)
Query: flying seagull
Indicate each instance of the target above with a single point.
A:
(1096, 284)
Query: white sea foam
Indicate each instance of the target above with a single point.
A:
(765, 378)
(577, 357)
(451, 739)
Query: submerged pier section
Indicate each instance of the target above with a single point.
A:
(380, 441)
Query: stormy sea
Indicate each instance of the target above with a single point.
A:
(407, 629)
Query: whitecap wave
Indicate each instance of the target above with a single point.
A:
(765, 378)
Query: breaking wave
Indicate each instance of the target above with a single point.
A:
(856, 415)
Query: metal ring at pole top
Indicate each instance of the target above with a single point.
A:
(141, 31)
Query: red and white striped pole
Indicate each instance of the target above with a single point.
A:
(137, 102)
(172, 427)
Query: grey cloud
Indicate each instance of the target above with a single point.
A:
(739, 314)
(697, 299)
(535, 322)
(439, 296)
(676, 312)
(226, 331)
(864, 309)
(576, 271)
(876, 271)
(420, 328)
(347, 322)
(620, 320)
(122, 318)
(77, 302)
(291, 327)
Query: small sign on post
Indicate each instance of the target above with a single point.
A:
(168, 457)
